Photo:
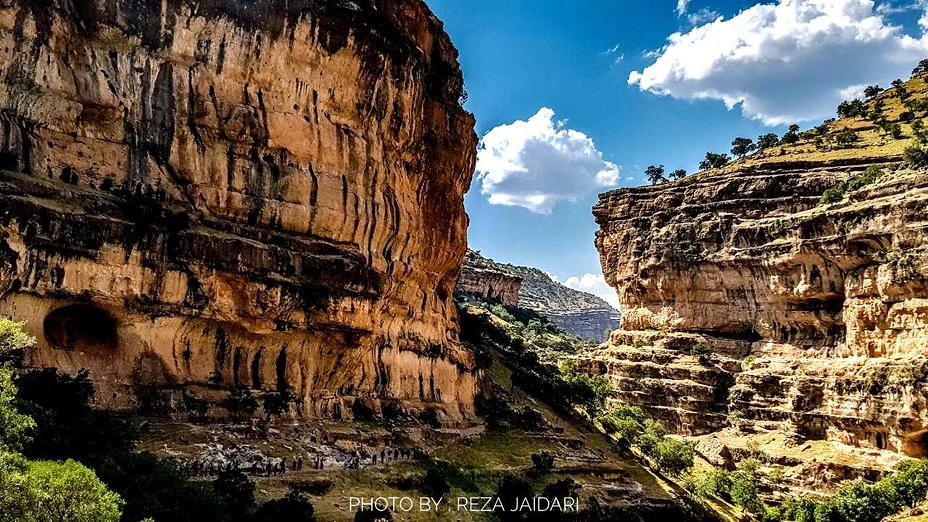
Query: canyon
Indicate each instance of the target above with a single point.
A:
(203, 195)
(760, 319)
(578, 313)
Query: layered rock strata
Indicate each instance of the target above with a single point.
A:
(198, 195)
(749, 303)
(490, 285)
(579, 313)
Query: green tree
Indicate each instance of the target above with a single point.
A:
(678, 174)
(14, 426)
(741, 147)
(47, 491)
(13, 341)
(872, 90)
(673, 456)
(851, 109)
(791, 135)
(714, 160)
(655, 174)
(921, 68)
(768, 140)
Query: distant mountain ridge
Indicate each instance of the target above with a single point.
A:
(580, 313)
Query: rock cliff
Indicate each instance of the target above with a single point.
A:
(490, 285)
(578, 313)
(753, 305)
(205, 194)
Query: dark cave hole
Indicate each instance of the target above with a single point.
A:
(80, 327)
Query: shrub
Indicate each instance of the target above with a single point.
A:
(15, 427)
(702, 353)
(847, 139)
(237, 491)
(61, 491)
(543, 461)
(434, 484)
(673, 456)
(241, 401)
(716, 482)
(277, 403)
(510, 489)
(915, 155)
(744, 487)
(563, 488)
(294, 506)
(895, 130)
(13, 341)
(838, 192)
(678, 174)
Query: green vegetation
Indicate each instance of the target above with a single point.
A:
(40, 490)
(631, 429)
(837, 193)
(855, 501)
(767, 140)
(79, 464)
(655, 174)
(53, 491)
(543, 462)
(714, 160)
(741, 147)
(678, 174)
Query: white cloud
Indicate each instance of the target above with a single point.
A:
(783, 62)
(702, 16)
(539, 163)
(594, 284)
(681, 7)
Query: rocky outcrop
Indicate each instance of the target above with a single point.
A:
(752, 306)
(489, 285)
(579, 313)
(205, 194)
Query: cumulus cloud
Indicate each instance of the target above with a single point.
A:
(538, 163)
(594, 284)
(681, 7)
(783, 62)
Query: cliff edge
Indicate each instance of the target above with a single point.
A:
(779, 305)
(202, 195)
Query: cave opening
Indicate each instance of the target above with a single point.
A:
(880, 441)
(80, 327)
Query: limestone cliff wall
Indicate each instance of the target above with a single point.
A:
(215, 193)
(785, 314)
(490, 285)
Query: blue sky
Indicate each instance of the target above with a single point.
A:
(575, 57)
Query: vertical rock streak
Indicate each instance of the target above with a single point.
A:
(270, 189)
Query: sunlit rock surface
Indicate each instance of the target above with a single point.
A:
(202, 194)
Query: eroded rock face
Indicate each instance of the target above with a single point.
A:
(791, 316)
(490, 285)
(214, 193)
(579, 313)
